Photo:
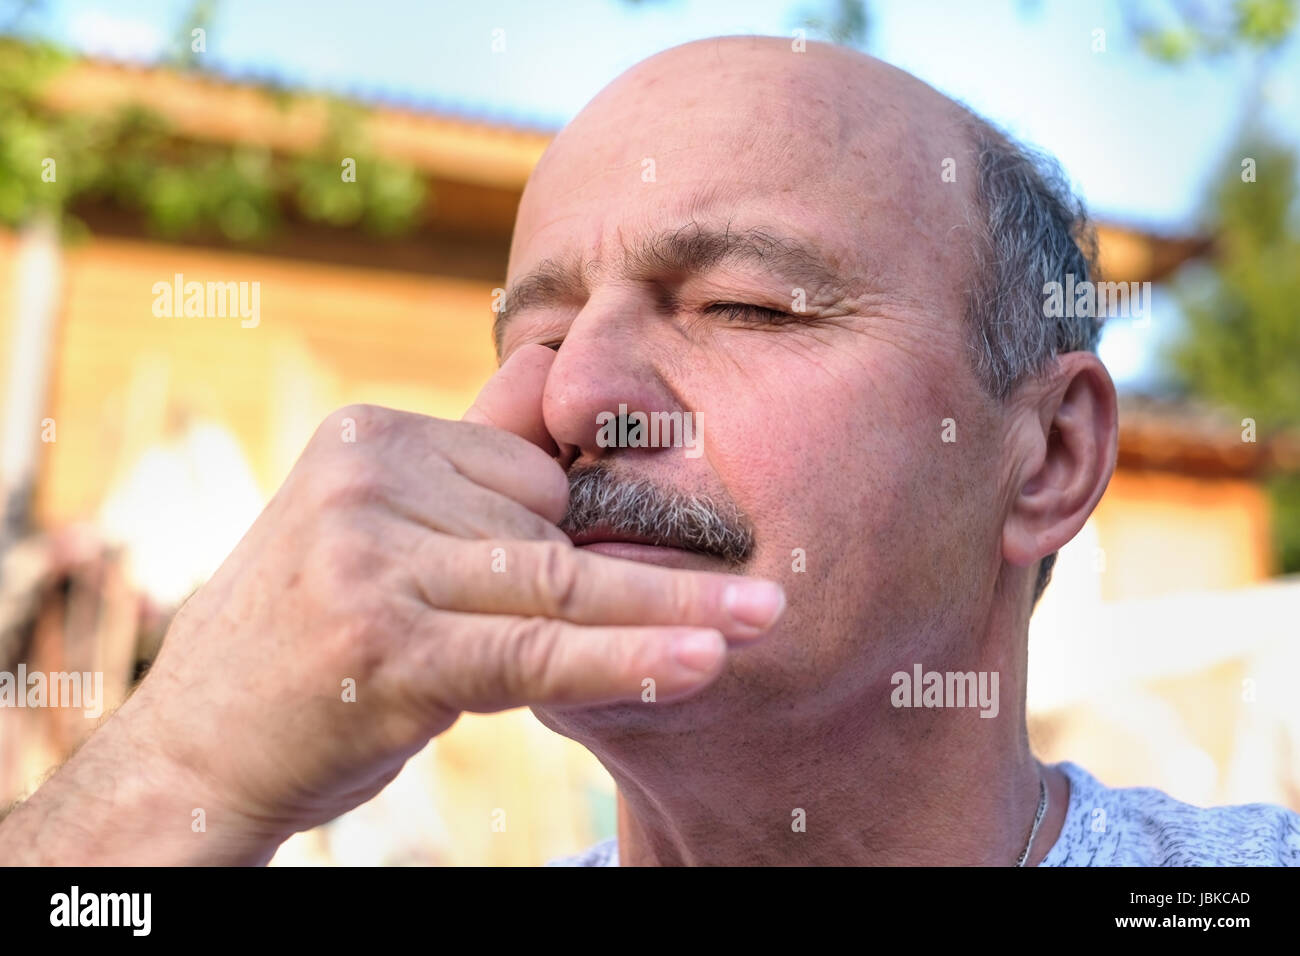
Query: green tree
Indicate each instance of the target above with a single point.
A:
(1240, 346)
(1188, 31)
(1240, 343)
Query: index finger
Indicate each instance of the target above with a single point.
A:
(556, 580)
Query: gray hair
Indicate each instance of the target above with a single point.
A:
(601, 497)
(1033, 230)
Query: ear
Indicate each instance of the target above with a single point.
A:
(1069, 435)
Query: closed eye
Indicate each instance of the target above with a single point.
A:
(744, 312)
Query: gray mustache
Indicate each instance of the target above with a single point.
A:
(599, 497)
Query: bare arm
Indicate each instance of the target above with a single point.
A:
(119, 800)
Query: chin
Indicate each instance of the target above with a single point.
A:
(747, 693)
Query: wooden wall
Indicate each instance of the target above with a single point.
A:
(327, 336)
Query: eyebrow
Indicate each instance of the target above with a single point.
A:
(691, 248)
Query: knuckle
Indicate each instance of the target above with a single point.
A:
(356, 650)
(685, 594)
(637, 658)
(343, 560)
(364, 419)
(531, 657)
(557, 578)
(350, 482)
(363, 632)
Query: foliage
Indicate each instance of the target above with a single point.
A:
(1240, 345)
(1257, 25)
(1284, 490)
(183, 189)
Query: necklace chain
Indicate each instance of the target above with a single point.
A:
(1038, 818)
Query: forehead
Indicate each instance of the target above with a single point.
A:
(825, 145)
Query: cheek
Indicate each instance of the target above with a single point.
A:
(817, 451)
(848, 464)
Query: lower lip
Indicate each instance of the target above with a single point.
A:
(650, 554)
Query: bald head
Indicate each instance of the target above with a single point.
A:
(754, 93)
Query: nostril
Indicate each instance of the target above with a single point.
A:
(568, 454)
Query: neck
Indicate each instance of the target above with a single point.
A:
(867, 784)
(857, 806)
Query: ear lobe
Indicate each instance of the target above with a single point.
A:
(1077, 418)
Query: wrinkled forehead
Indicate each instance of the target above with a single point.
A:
(824, 144)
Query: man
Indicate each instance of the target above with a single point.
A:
(836, 276)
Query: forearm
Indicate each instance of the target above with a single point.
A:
(117, 801)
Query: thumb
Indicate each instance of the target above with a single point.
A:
(512, 398)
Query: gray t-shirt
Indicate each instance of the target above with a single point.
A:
(1134, 826)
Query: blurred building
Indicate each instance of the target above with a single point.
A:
(170, 433)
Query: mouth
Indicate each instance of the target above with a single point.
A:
(633, 547)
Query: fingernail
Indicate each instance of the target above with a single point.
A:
(756, 603)
(699, 650)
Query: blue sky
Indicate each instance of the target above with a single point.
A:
(1140, 140)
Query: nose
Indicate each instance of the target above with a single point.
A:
(607, 360)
